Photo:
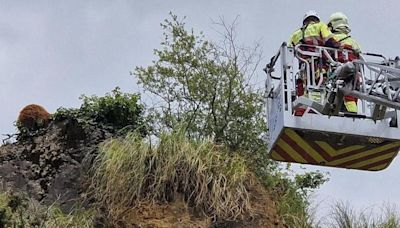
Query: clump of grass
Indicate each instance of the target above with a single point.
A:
(78, 218)
(129, 171)
(343, 216)
(16, 210)
(390, 217)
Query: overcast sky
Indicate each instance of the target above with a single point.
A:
(53, 51)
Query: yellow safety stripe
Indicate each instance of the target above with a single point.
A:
(379, 167)
(376, 159)
(303, 144)
(292, 147)
(365, 153)
(276, 156)
(332, 152)
(289, 150)
(351, 106)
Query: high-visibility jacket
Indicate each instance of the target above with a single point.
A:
(347, 42)
(314, 33)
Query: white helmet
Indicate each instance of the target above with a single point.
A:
(311, 13)
(338, 20)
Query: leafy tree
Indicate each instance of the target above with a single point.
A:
(207, 86)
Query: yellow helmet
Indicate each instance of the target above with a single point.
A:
(338, 20)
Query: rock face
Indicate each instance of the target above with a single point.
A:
(52, 165)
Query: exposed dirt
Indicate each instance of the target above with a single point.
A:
(264, 209)
(174, 214)
(178, 214)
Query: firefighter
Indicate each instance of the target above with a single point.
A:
(313, 32)
(339, 26)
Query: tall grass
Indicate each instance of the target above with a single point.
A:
(344, 216)
(129, 171)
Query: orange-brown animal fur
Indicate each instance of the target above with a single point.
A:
(33, 117)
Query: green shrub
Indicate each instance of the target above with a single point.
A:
(292, 195)
(116, 109)
(129, 171)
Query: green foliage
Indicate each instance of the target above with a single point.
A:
(309, 180)
(19, 211)
(116, 109)
(205, 86)
(292, 192)
(130, 171)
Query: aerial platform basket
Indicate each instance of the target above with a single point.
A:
(325, 134)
